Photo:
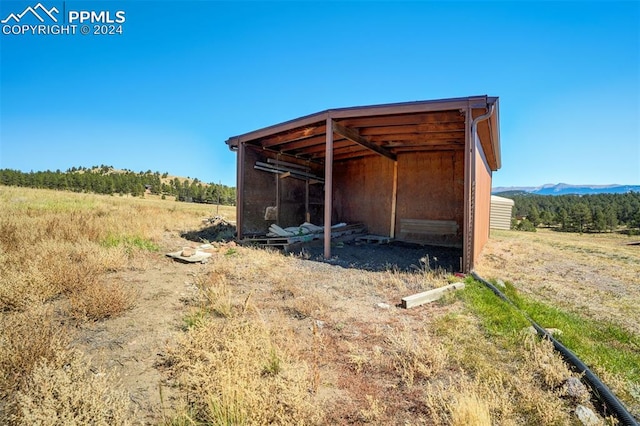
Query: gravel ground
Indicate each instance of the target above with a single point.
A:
(380, 257)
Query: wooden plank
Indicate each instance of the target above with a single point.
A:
(294, 135)
(424, 137)
(319, 149)
(354, 136)
(405, 119)
(437, 227)
(411, 147)
(304, 143)
(378, 239)
(351, 155)
(429, 296)
(416, 128)
(309, 120)
(350, 149)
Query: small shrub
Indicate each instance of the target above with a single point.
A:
(273, 365)
(525, 225)
(130, 243)
(233, 373)
(100, 300)
(468, 409)
(215, 294)
(194, 318)
(64, 391)
(375, 410)
(416, 355)
(27, 338)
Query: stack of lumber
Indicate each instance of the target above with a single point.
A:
(285, 169)
(304, 229)
(284, 237)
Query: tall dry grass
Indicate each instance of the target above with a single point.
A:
(57, 250)
(267, 339)
(257, 312)
(231, 371)
(66, 391)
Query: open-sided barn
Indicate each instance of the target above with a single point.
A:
(415, 171)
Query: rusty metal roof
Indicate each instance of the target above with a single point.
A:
(387, 129)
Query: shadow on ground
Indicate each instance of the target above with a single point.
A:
(382, 257)
(351, 254)
(219, 231)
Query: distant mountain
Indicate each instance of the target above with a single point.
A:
(564, 189)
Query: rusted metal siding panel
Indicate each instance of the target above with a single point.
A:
(263, 189)
(259, 192)
(482, 201)
(363, 190)
(430, 188)
(291, 204)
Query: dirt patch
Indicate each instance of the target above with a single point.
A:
(332, 295)
(327, 314)
(134, 344)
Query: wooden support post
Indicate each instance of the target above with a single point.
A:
(240, 190)
(394, 199)
(328, 187)
(467, 248)
(307, 214)
(277, 197)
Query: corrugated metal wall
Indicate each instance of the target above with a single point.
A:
(501, 210)
(264, 189)
(482, 203)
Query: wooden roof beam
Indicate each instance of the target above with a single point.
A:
(354, 136)
(316, 141)
(337, 144)
(426, 138)
(406, 120)
(416, 128)
(352, 155)
(292, 136)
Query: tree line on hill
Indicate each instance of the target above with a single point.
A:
(577, 213)
(106, 180)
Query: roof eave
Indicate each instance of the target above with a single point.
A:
(351, 112)
(495, 132)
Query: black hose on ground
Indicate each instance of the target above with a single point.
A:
(600, 390)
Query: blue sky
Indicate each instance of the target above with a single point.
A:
(185, 75)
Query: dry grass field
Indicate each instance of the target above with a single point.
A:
(98, 326)
(597, 275)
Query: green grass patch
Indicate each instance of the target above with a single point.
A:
(600, 344)
(130, 242)
(603, 346)
(194, 318)
(497, 317)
